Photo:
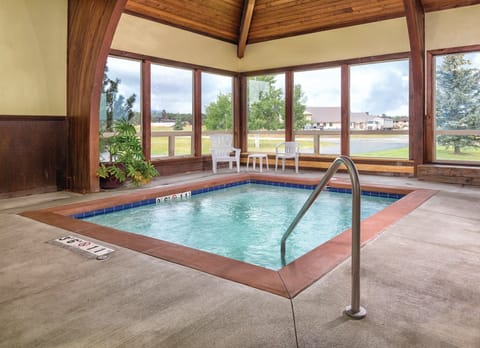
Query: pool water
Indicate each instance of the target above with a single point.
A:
(245, 222)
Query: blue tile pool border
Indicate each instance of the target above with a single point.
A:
(150, 201)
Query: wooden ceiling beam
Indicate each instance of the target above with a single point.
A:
(247, 14)
(415, 16)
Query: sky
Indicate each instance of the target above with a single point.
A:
(171, 87)
(376, 88)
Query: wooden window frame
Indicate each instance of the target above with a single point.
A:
(429, 136)
(344, 65)
(146, 62)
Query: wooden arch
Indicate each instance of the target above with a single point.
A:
(91, 26)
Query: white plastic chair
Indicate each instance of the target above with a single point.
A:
(223, 151)
(286, 150)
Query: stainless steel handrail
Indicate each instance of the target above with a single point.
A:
(354, 310)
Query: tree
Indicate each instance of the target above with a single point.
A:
(299, 106)
(218, 114)
(457, 101)
(267, 111)
(115, 106)
(179, 124)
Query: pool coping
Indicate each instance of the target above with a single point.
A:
(287, 282)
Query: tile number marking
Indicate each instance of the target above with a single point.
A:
(84, 245)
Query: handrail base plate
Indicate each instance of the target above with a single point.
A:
(362, 312)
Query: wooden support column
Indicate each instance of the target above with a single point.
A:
(91, 25)
(289, 122)
(243, 117)
(146, 109)
(238, 125)
(197, 113)
(345, 110)
(415, 16)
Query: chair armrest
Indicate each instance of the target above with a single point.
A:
(277, 146)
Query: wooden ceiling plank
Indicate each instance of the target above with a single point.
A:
(184, 23)
(193, 14)
(310, 22)
(353, 9)
(315, 20)
(438, 5)
(322, 6)
(216, 20)
(247, 14)
(273, 19)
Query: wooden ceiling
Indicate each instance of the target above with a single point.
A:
(249, 21)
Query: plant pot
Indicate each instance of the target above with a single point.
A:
(110, 182)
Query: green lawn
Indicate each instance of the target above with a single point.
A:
(268, 142)
(468, 154)
(393, 153)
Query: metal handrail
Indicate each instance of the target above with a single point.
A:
(354, 311)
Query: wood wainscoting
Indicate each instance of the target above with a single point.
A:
(32, 154)
(452, 174)
(365, 165)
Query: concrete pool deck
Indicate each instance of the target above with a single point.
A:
(420, 286)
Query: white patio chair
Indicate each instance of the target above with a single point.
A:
(287, 150)
(223, 151)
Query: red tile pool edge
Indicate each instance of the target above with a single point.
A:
(287, 282)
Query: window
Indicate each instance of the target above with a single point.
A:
(457, 107)
(379, 105)
(217, 109)
(120, 97)
(317, 102)
(171, 111)
(266, 112)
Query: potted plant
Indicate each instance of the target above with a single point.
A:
(126, 159)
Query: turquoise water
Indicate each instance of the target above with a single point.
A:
(245, 222)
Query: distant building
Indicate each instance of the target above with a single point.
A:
(329, 118)
(401, 122)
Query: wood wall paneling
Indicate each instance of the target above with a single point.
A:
(464, 175)
(180, 165)
(32, 153)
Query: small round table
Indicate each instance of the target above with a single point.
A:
(260, 157)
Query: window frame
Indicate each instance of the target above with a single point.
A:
(260, 132)
(379, 132)
(345, 100)
(196, 134)
(430, 121)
